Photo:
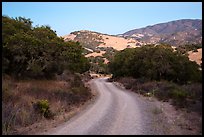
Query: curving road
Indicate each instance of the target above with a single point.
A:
(115, 111)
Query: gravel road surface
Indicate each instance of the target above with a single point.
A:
(116, 111)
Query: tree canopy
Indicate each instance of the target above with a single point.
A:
(155, 63)
(37, 51)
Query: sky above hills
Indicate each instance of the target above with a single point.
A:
(105, 17)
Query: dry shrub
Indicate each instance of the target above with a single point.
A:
(19, 99)
(181, 96)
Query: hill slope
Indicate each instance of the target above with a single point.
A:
(178, 32)
(100, 48)
(94, 40)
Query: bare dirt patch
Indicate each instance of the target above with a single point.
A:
(196, 56)
(94, 54)
(117, 43)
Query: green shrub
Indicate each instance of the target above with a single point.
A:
(42, 106)
(178, 97)
(178, 94)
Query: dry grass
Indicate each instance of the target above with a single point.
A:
(118, 43)
(20, 97)
(94, 54)
(101, 40)
(196, 56)
(69, 37)
(181, 96)
(106, 61)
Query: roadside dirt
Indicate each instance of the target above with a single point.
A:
(173, 121)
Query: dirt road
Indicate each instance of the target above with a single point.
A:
(116, 111)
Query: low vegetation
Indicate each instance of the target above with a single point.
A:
(183, 49)
(188, 96)
(110, 52)
(98, 65)
(88, 39)
(25, 102)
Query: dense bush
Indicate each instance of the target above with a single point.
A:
(37, 51)
(183, 49)
(98, 65)
(155, 63)
(43, 107)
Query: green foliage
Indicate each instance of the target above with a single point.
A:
(42, 106)
(155, 63)
(178, 94)
(110, 52)
(97, 65)
(37, 52)
(174, 92)
(121, 63)
(88, 39)
(183, 49)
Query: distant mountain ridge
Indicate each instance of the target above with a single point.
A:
(178, 32)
